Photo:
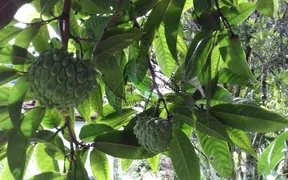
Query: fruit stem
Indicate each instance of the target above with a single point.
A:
(155, 86)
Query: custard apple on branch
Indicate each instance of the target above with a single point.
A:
(153, 134)
(59, 80)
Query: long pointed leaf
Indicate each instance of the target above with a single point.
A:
(99, 165)
(163, 55)
(271, 156)
(16, 99)
(17, 144)
(172, 22)
(183, 156)
(249, 118)
(217, 152)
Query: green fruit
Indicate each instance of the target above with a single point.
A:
(153, 134)
(59, 80)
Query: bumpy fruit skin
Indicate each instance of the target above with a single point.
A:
(59, 80)
(153, 134)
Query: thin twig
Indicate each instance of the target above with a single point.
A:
(224, 20)
(59, 130)
(40, 22)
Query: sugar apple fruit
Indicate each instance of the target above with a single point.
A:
(153, 134)
(59, 80)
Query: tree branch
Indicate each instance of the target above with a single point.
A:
(64, 23)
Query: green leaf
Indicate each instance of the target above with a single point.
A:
(181, 45)
(26, 36)
(89, 131)
(49, 137)
(217, 152)
(98, 6)
(45, 162)
(90, 7)
(117, 120)
(221, 96)
(272, 155)
(95, 25)
(188, 5)
(152, 24)
(172, 23)
(249, 118)
(31, 121)
(197, 55)
(141, 7)
(237, 16)
(144, 86)
(4, 135)
(46, 6)
(4, 95)
(235, 58)
(29, 153)
(209, 20)
(125, 164)
(13, 54)
(115, 43)
(52, 119)
(227, 76)
(183, 157)
(6, 173)
(7, 74)
(153, 162)
(163, 55)
(83, 153)
(84, 110)
(3, 154)
(201, 6)
(17, 144)
(215, 63)
(132, 99)
(49, 175)
(5, 122)
(9, 9)
(78, 170)
(113, 100)
(74, 27)
(15, 101)
(268, 7)
(7, 34)
(241, 140)
(99, 165)
(112, 75)
(40, 41)
(121, 144)
(96, 100)
(204, 123)
(50, 149)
